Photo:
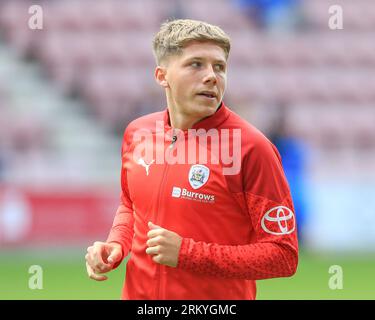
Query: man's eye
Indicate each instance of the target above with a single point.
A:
(196, 64)
(219, 67)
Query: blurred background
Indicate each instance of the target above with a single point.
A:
(68, 91)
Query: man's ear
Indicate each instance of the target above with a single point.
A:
(160, 76)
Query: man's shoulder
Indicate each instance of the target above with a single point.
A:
(256, 148)
(146, 122)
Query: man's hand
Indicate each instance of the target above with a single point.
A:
(164, 245)
(101, 257)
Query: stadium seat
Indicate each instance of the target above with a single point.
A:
(221, 12)
(103, 52)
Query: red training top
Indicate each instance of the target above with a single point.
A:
(236, 228)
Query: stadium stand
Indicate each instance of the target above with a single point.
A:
(100, 55)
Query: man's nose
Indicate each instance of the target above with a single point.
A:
(210, 75)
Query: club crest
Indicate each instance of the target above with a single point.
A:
(198, 175)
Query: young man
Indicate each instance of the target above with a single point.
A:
(197, 228)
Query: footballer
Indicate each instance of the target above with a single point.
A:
(197, 227)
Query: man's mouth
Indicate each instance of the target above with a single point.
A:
(207, 94)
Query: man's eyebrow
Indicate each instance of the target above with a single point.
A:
(194, 58)
(200, 58)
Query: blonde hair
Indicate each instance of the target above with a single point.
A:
(174, 35)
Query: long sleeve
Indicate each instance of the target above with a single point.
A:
(274, 253)
(122, 230)
(122, 227)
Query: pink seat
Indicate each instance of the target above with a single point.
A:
(132, 14)
(362, 121)
(220, 12)
(67, 15)
(12, 14)
(138, 48)
(245, 48)
(365, 52)
(109, 50)
(100, 16)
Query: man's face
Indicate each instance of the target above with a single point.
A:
(196, 79)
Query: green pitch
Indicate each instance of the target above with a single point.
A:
(64, 277)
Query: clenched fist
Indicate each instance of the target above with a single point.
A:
(101, 257)
(163, 245)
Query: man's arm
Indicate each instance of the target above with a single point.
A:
(269, 257)
(122, 230)
(102, 257)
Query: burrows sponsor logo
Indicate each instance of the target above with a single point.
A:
(191, 195)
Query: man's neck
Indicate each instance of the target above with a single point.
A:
(181, 121)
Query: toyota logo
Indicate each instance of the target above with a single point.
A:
(280, 220)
